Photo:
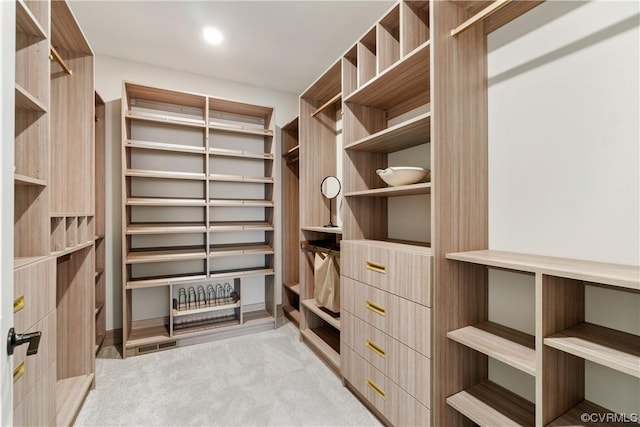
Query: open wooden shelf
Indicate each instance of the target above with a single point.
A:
(144, 201)
(622, 276)
(240, 249)
(26, 23)
(70, 394)
(240, 226)
(293, 287)
(20, 262)
(257, 317)
(26, 101)
(240, 178)
(404, 135)
(573, 417)
(245, 131)
(140, 173)
(159, 118)
(202, 327)
(401, 190)
(148, 335)
(160, 146)
(180, 313)
(241, 203)
(163, 255)
(313, 306)
(240, 273)
(292, 314)
(507, 345)
(73, 249)
(488, 404)
(165, 228)
(608, 347)
(293, 152)
(321, 229)
(28, 181)
(401, 81)
(154, 282)
(239, 154)
(325, 340)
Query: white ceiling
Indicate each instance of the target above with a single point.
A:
(283, 45)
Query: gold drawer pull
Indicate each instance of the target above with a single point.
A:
(18, 372)
(376, 266)
(376, 349)
(378, 309)
(376, 389)
(18, 304)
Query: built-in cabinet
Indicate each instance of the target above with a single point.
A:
(53, 213)
(198, 208)
(99, 223)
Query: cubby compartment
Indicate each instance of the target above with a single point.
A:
(414, 17)
(350, 71)
(58, 234)
(388, 37)
(71, 232)
(148, 314)
(83, 230)
(91, 231)
(100, 256)
(367, 63)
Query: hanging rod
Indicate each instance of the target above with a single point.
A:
(482, 15)
(306, 246)
(327, 104)
(56, 56)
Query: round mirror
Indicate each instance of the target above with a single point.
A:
(330, 187)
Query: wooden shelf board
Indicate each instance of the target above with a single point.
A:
(404, 135)
(240, 178)
(401, 190)
(488, 404)
(295, 151)
(321, 229)
(70, 394)
(401, 245)
(507, 345)
(165, 255)
(573, 416)
(165, 228)
(324, 343)
(160, 146)
(68, 251)
(140, 173)
(26, 23)
(143, 201)
(399, 82)
(292, 314)
(201, 328)
(257, 317)
(622, 276)
(20, 262)
(239, 249)
(293, 287)
(148, 335)
(164, 281)
(171, 120)
(28, 181)
(313, 306)
(241, 203)
(241, 273)
(608, 347)
(181, 313)
(26, 101)
(245, 131)
(240, 226)
(240, 154)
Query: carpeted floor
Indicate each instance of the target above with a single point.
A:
(265, 379)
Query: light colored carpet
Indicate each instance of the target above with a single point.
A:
(264, 379)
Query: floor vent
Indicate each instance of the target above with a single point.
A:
(167, 345)
(147, 349)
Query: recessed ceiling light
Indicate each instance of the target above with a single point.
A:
(212, 35)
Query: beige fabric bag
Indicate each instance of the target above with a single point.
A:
(327, 281)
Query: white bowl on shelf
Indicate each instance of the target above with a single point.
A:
(403, 175)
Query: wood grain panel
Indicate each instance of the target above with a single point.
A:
(65, 31)
(388, 35)
(35, 283)
(414, 18)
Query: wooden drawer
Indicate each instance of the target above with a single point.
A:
(35, 293)
(387, 397)
(404, 320)
(400, 269)
(403, 365)
(38, 408)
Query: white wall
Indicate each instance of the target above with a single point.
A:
(564, 166)
(110, 72)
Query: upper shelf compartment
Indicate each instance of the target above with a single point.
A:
(27, 23)
(493, 13)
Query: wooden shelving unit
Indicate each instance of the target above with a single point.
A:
(198, 206)
(100, 295)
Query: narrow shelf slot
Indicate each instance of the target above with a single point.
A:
(401, 190)
(26, 23)
(240, 249)
(165, 174)
(507, 345)
(293, 287)
(28, 181)
(239, 154)
(165, 228)
(161, 118)
(160, 146)
(488, 404)
(70, 393)
(608, 347)
(143, 201)
(164, 254)
(241, 178)
(404, 135)
(241, 130)
(222, 226)
(332, 319)
(26, 101)
(326, 341)
(152, 282)
(573, 417)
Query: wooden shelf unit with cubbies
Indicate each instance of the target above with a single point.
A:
(198, 201)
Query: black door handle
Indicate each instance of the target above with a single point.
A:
(14, 340)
